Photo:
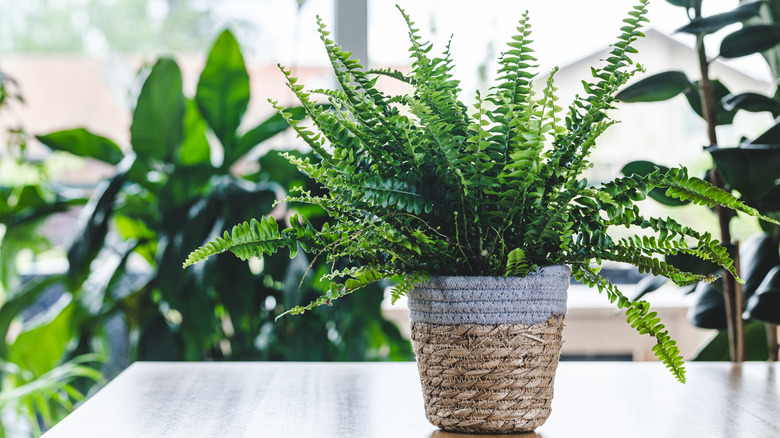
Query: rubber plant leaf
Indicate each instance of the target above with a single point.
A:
(719, 91)
(643, 168)
(750, 40)
(757, 256)
(752, 102)
(655, 88)
(681, 3)
(755, 345)
(709, 311)
(764, 305)
(750, 169)
(714, 23)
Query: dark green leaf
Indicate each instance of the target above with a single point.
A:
(650, 283)
(83, 143)
(681, 3)
(690, 263)
(750, 169)
(749, 40)
(26, 215)
(758, 254)
(752, 102)
(93, 225)
(755, 345)
(262, 132)
(661, 86)
(159, 342)
(705, 25)
(43, 345)
(709, 311)
(24, 297)
(223, 89)
(158, 120)
(771, 136)
(719, 91)
(764, 305)
(642, 168)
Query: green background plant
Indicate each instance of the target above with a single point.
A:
(39, 381)
(125, 296)
(750, 169)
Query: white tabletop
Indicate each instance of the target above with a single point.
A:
(277, 399)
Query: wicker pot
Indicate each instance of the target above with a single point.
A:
(487, 348)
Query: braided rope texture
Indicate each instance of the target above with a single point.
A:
(491, 300)
(488, 378)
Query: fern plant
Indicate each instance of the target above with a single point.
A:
(419, 184)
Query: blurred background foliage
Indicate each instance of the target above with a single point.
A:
(185, 177)
(745, 315)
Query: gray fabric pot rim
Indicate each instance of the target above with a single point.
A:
(453, 300)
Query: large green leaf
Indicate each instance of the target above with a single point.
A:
(83, 143)
(770, 206)
(43, 346)
(750, 169)
(770, 136)
(17, 217)
(195, 147)
(764, 305)
(648, 284)
(705, 25)
(752, 102)
(223, 89)
(718, 348)
(262, 132)
(681, 3)
(691, 263)
(22, 298)
(750, 40)
(642, 168)
(158, 119)
(661, 86)
(93, 225)
(719, 91)
(758, 254)
(709, 311)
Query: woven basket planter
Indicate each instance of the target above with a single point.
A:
(487, 348)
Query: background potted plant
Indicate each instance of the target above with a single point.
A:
(745, 314)
(65, 331)
(469, 212)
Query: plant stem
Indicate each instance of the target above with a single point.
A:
(771, 334)
(731, 288)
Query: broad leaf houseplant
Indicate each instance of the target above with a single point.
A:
(480, 215)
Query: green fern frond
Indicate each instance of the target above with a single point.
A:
(640, 318)
(246, 240)
(698, 191)
(392, 73)
(585, 113)
(635, 257)
(517, 264)
(311, 139)
(405, 285)
(358, 278)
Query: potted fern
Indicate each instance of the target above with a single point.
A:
(481, 217)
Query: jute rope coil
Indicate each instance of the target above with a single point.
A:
(488, 378)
